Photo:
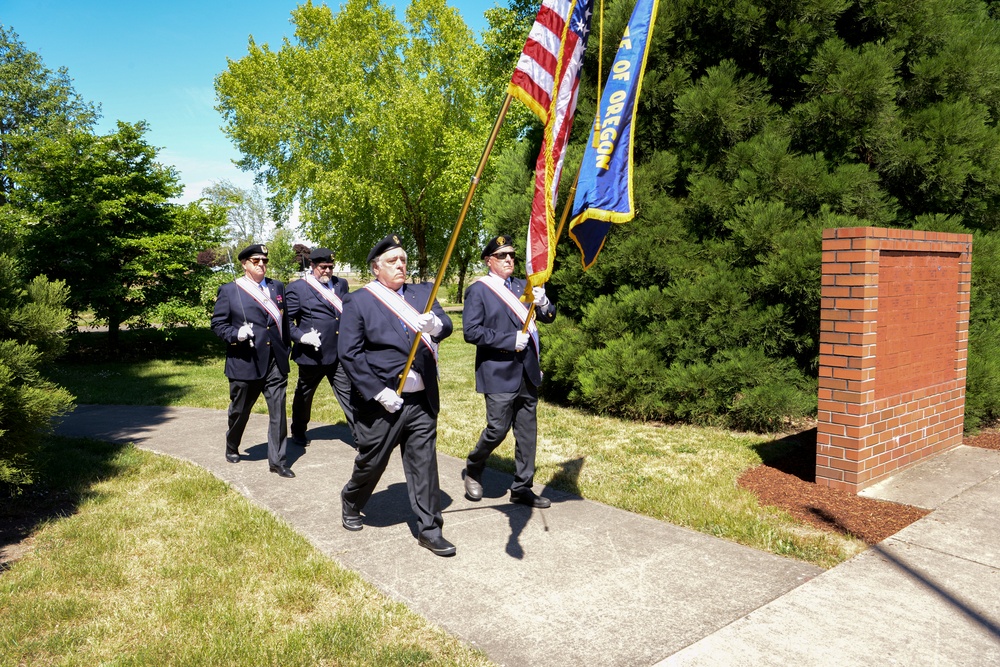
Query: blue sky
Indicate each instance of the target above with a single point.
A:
(156, 61)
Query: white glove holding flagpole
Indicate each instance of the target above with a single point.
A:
(389, 399)
(522, 341)
(540, 299)
(311, 338)
(429, 323)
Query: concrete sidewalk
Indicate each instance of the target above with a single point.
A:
(587, 584)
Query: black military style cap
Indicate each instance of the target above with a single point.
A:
(385, 245)
(251, 250)
(321, 255)
(496, 243)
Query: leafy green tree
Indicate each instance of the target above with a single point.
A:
(372, 125)
(106, 226)
(281, 251)
(247, 215)
(35, 101)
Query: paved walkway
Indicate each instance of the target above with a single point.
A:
(586, 584)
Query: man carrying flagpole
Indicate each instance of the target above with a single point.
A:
(380, 323)
(507, 368)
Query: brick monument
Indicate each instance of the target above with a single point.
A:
(894, 339)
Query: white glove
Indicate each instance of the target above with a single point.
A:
(522, 341)
(429, 323)
(540, 299)
(246, 331)
(389, 399)
(311, 338)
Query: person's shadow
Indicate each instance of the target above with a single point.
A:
(332, 432)
(391, 507)
(339, 431)
(497, 485)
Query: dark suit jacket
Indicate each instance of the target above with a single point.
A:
(374, 346)
(492, 327)
(232, 307)
(308, 310)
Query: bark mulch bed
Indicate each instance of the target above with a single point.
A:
(788, 481)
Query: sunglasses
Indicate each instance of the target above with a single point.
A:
(258, 260)
(504, 255)
(325, 267)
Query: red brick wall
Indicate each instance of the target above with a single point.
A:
(893, 347)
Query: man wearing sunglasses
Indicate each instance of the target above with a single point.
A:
(315, 304)
(507, 368)
(250, 317)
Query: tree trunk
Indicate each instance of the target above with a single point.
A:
(114, 323)
(463, 269)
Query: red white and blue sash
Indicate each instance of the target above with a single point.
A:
(325, 292)
(496, 285)
(262, 297)
(403, 310)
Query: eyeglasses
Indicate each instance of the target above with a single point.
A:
(258, 260)
(325, 267)
(504, 255)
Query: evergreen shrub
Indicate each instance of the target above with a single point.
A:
(32, 321)
(760, 125)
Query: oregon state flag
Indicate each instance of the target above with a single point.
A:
(604, 191)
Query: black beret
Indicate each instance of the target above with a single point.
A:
(385, 245)
(321, 255)
(496, 243)
(251, 250)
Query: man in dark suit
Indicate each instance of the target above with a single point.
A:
(250, 316)
(376, 332)
(507, 368)
(314, 305)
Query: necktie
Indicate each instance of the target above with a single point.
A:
(508, 284)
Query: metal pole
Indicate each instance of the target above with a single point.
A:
(455, 232)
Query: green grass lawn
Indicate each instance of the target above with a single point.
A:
(157, 562)
(681, 474)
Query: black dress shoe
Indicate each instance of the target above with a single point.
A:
(350, 518)
(438, 545)
(300, 440)
(531, 499)
(473, 489)
(283, 471)
(232, 458)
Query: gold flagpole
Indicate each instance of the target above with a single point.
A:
(455, 232)
(562, 223)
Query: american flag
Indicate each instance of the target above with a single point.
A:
(546, 80)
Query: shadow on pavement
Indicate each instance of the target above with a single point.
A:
(971, 613)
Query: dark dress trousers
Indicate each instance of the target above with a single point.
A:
(308, 310)
(508, 378)
(254, 369)
(374, 346)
